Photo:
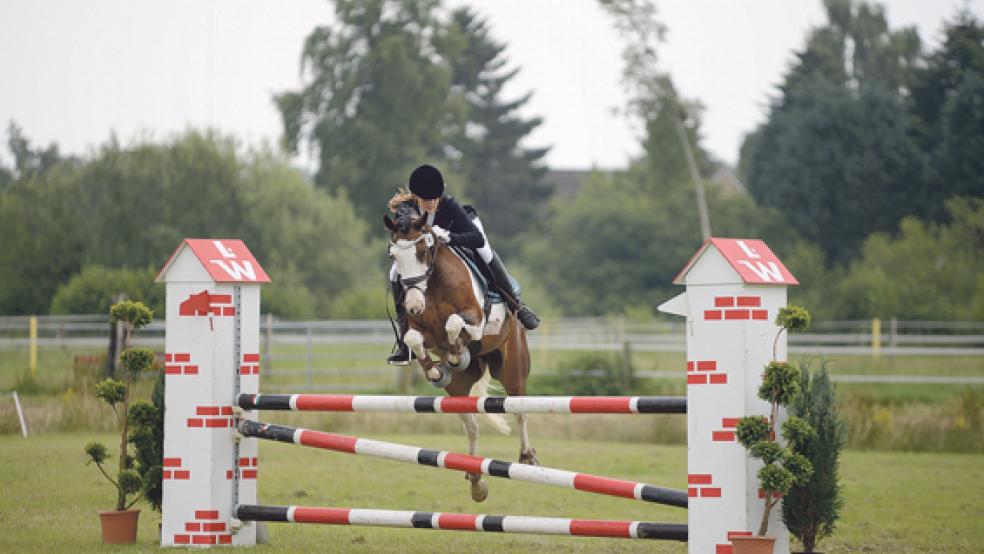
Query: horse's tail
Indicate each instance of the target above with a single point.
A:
(481, 388)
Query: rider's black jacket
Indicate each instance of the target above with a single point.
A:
(454, 219)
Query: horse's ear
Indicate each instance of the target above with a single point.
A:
(389, 223)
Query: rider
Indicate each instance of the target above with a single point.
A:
(451, 224)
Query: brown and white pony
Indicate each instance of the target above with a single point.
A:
(445, 317)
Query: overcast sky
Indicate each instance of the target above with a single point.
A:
(75, 72)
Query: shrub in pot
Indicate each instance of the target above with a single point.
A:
(119, 525)
(782, 466)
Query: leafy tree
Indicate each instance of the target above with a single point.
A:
(374, 96)
(840, 164)
(127, 208)
(930, 271)
(92, 289)
(484, 132)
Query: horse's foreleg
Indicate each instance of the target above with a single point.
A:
(527, 454)
(415, 341)
(460, 330)
(479, 489)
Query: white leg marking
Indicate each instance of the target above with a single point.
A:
(471, 429)
(453, 327)
(524, 437)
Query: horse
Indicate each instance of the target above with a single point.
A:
(443, 304)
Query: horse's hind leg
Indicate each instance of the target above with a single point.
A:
(460, 385)
(527, 454)
(515, 370)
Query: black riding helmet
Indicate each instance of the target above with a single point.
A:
(426, 182)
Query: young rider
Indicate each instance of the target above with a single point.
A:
(452, 225)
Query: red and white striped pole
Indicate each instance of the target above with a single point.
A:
(465, 522)
(467, 404)
(463, 462)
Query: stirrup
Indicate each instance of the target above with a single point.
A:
(402, 356)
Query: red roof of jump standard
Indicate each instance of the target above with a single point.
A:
(750, 258)
(225, 260)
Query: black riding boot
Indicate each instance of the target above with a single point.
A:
(526, 316)
(402, 354)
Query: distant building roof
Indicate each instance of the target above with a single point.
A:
(566, 182)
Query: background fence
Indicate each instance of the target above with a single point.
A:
(350, 355)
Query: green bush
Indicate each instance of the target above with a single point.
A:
(93, 288)
(590, 374)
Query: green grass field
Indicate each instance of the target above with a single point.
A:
(894, 502)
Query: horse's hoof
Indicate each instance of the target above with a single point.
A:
(528, 457)
(479, 491)
(463, 360)
(442, 379)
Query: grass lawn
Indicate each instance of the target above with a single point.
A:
(895, 502)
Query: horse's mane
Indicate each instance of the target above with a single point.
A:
(401, 197)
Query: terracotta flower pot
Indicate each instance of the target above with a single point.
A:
(752, 545)
(119, 527)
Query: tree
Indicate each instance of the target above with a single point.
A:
(374, 96)
(929, 271)
(484, 132)
(840, 165)
(947, 108)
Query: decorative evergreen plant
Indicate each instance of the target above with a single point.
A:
(810, 510)
(783, 466)
(129, 483)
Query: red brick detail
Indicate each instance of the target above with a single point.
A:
(216, 423)
(696, 379)
(195, 422)
(723, 549)
(736, 314)
(710, 492)
(207, 410)
(182, 475)
(690, 366)
(191, 370)
(723, 436)
(215, 310)
(220, 298)
(730, 422)
(225, 539)
(165, 474)
(229, 474)
(251, 358)
(719, 379)
(171, 462)
(249, 474)
(699, 479)
(750, 301)
(760, 314)
(213, 527)
(244, 462)
(256, 462)
(244, 370)
(184, 357)
(226, 410)
(692, 492)
(168, 357)
(182, 539)
(724, 301)
(707, 365)
(228, 311)
(193, 527)
(203, 539)
(172, 370)
(712, 314)
(206, 514)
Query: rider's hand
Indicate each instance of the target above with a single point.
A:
(442, 234)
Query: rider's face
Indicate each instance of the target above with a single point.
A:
(427, 205)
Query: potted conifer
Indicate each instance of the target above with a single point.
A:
(810, 510)
(120, 525)
(782, 465)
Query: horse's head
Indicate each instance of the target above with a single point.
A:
(412, 246)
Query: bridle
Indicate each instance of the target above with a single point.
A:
(415, 281)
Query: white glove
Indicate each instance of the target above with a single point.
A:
(442, 234)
